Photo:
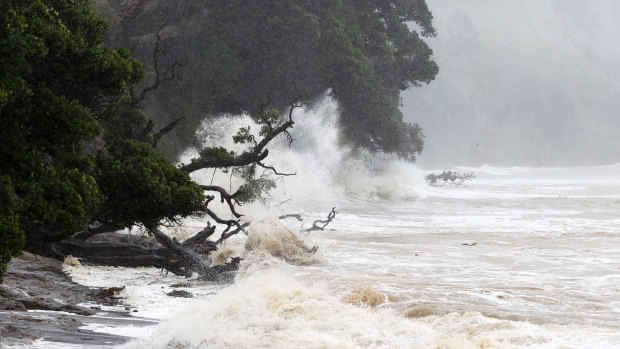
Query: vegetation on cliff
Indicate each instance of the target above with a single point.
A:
(237, 54)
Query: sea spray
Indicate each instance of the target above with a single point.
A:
(272, 310)
(325, 170)
(281, 242)
(543, 274)
(399, 248)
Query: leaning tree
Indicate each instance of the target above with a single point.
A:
(77, 152)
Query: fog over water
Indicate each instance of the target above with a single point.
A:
(533, 82)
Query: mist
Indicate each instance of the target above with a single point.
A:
(521, 83)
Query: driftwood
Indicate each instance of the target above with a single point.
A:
(179, 293)
(293, 215)
(317, 224)
(452, 178)
(323, 223)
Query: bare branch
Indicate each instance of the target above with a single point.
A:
(316, 226)
(230, 222)
(133, 47)
(164, 131)
(226, 234)
(274, 170)
(201, 236)
(192, 259)
(293, 215)
(225, 197)
(160, 77)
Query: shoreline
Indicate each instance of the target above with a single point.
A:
(39, 301)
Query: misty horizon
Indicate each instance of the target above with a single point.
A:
(529, 83)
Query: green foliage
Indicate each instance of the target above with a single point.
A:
(363, 52)
(244, 136)
(63, 199)
(122, 121)
(11, 236)
(55, 74)
(143, 187)
(62, 89)
(216, 154)
(254, 188)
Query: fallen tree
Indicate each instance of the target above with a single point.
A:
(452, 178)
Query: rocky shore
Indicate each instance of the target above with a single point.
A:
(38, 301)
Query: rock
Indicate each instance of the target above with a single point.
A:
(38, 283)
(179, 293)
(9, 304)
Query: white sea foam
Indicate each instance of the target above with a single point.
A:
(517, 258)
(272, 310)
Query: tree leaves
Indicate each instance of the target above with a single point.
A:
(240, 53)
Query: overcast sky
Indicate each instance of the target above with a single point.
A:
(528, 82)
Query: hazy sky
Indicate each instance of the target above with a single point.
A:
(528, 82)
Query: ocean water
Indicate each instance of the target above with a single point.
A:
(516, 258)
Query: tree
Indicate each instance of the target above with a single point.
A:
(11, 236)
(59, 85)
(55, 77)
(127, 180)
(364, 52)
(77, 156)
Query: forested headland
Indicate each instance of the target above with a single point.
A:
(93, 113)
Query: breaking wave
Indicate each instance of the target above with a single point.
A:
(350, 293)
(274, 310)
(325, 169)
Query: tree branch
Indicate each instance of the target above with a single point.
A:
(274, 170)
(241, 160)
(255, 155)
(226, 234)
(119, 254)
(167, 75)
(225, 197)
(200, 237)
(293, 215)
(164, 131)
(83, 235)
(315, 226)
(190, 258)
(229, 223)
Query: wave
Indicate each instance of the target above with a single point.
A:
(610, 170)
(325, 169)
(274, 304)
(274, 310)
